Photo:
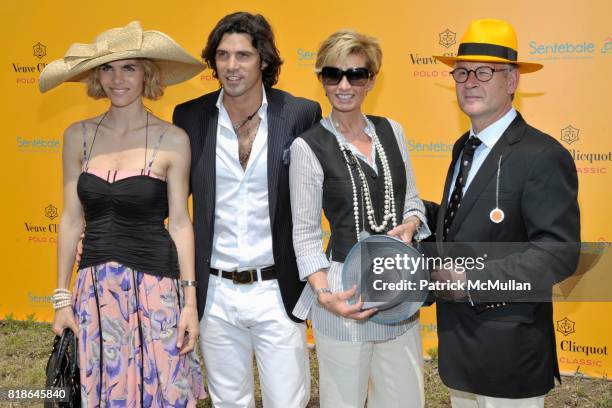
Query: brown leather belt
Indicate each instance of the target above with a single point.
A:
(247, 276)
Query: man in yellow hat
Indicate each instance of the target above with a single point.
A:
(507, 182)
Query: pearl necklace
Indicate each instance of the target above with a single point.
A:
(389, 201)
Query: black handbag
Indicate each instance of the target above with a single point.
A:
(63, 370)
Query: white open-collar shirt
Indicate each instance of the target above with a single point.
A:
(242, 232)
(489, 137)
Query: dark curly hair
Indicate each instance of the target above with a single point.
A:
(262, 39)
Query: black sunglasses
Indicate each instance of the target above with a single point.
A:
(355, 76)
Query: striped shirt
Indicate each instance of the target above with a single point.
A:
(306, 186)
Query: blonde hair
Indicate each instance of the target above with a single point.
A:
(343, 43)
(153, 87)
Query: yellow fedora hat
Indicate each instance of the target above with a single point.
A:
(490, 40)
(176, 64)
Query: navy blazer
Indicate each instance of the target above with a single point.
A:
(288, 116)
(510, 351)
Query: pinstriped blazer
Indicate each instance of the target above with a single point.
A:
(288, 117)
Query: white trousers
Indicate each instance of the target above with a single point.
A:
(239, 320)
(462, 399)
(389, 373)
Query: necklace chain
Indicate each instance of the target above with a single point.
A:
(87, 156)
(248, 118)
(389, 210)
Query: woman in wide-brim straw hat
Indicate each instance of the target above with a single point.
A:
(134, 302)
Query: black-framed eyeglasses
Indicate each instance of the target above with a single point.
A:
(355, 76)
(483, 74)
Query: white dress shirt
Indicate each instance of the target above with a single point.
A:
(489, 136)
(242, 231)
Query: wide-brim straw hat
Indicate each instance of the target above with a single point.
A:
(176, 64)
(490, 40)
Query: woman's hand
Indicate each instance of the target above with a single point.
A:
(188, 329)
(406, 230)
(337, 303)
(64, 318)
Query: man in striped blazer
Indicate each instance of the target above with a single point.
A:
(245, 263)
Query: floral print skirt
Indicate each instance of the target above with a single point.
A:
(127, 340)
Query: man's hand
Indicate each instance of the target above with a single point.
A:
(448, 277)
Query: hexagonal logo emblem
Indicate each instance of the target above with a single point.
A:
(447, 38)
(51, 212)
(565, 326)
(40, 50)
(569, 134)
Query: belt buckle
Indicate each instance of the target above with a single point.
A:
(244, 277)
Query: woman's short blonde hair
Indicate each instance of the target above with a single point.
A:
(153, 82)
(342, 43)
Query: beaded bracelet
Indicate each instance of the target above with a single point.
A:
(61, 290)
(62, 304)
(61, 298)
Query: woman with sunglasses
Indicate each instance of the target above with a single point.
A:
(357, 169)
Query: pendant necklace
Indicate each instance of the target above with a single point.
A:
(248, 118)
(497, 214)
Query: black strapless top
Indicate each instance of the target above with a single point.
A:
(125, 223)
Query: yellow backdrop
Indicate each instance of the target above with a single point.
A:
(567, 99)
